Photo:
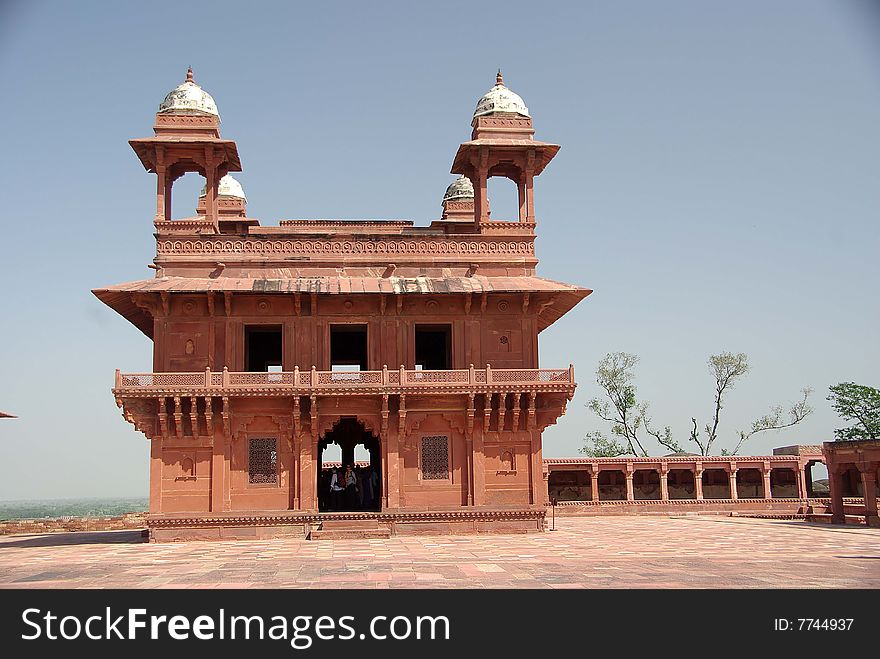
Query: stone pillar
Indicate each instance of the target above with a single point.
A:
(594, 483)
(307, 476)
(294, 471)
(807, 480)
(481, 189)
(835, 485)
(469, 447)
(161, 191)
(536, 469)
(664, 483)
(530, 196)
(218, 484)
(210, 186)
(479, 470)
(392, 469)
(156, 476)
(731, 475)
(698, 482)
(869, 487)
(630, 495)
(768, 490)
(800, 481)
(523, 206)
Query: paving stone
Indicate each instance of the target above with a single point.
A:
(604, 552)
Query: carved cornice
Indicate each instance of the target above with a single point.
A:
(368, 246)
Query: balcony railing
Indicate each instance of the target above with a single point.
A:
(317, 380)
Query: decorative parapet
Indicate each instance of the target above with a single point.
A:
(716, 461)
(312, 382)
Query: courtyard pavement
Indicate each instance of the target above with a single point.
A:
(608, 552)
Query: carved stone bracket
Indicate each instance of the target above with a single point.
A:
(178, 418)
(313, 409)
(225, 413)
(385, 414)
(516, 402)
(296, 416)
(531, 419)
(502, 410)
(163, 416)
(209, 416)
(401, 416)
(487, 412)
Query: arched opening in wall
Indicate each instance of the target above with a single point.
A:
(681, 484)
(646, 485)
(851, 481)
(185, 195)
(612, 485)
(716, 484)
(572, 485)
(816, 475)
(749, 484)
(503, 199)
(349, 468)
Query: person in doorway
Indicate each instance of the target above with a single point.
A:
(350, 481)
(359, 479)
(367, 488)
(336, 490)
(374, 476)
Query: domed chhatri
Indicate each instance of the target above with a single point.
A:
(228, 187)
(501, 99)
(188, 97)
(461, 188)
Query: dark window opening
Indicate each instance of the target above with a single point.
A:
(263, 461)
(433, 347)
(262, 347)
(348, 347)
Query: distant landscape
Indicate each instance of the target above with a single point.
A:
(52, 508)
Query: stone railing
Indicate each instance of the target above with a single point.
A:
(551, 379)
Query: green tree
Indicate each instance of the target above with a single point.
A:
(615, 374)
(727, 369)
(859, 403)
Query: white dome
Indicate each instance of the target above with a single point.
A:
(461, 188)
(501, 99)
(189, 97)
(228, 187)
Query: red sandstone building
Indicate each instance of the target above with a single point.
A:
(271, 342)
(418, 343)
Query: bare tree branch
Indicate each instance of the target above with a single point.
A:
(773, 420)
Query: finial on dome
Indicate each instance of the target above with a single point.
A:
(499, 79)
(189, 74)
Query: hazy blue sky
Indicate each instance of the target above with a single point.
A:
(717, 186)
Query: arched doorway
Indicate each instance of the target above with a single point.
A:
(349, 435)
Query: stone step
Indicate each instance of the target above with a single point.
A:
(349, 524)
(349, 529)
(349, 534)
(826, 518)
